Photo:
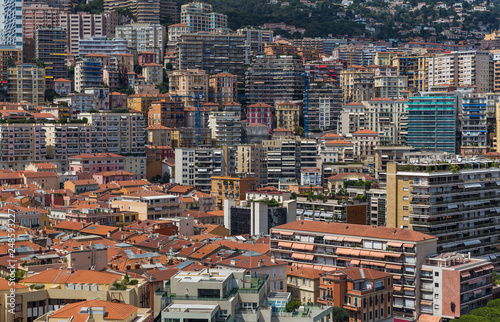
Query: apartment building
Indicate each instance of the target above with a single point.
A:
(22, 144)
(66, 140)
(393, 87)
(195, 167)
(352, 118)
(415, 67)
(226, 125)
(8, 54)
(337, 150)
(166, 113)
(364, 142)
(11, 23)
(327, 245)
(63, 286)
(260, 113)
(357, 84)
(255, 38)
(303, 283)
(26, 83)
(103, 45)
(364, 293)
(36, 15)
(81, 25)
(433, 122)
(51, 48)
(223, 88)
(325, 105)
(249, 159)
(153, 73)
(376, 204)
(456, 202)
(188, 137)
(388, 118)
(143, 37)
(189, 85)
(214, 53)
(88, 73)
(231, 188)
(454, 284)
(142, 102)
(201, 18)
(474, 124)
(287, 115)
(145, 11)
(124, 63)
(462, 68)
(286, 156)
(120, 133)
(96, 162)
(272, 79)
(150, 205)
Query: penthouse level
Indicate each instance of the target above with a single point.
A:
(399, 252)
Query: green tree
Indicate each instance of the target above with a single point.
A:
(339, 314)
(292, 305)
(18, 275)
(494, 303)
(50, 94)
(490, 313)
(299, 130)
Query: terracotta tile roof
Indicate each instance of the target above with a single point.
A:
(178, 25)
(355, 230)
(306, 272)
(342, 176)
(180, 189)
(158, 127)
(260, 105)
(70, 225)
(133, 183)
(358, 273)
(84, 182)
(62, 80)
(204, 251)
(429, 318)
(234, 245)
(365, 131)
(114, 311)
(157, 275)
(330, 135)
(99, 230)
(45, 174)
(339, 142)
(114, 173)
(56, 276)
(5, 285)
(45, 165)
(354, 103)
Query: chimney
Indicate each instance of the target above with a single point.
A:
(108, 234)
(261, 263)
(81, 247)
(273, 259)
(69, 270)
(233, 262)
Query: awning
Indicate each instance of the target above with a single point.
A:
(475, 280)
(489, 266)
(309, 247)
(477, 292)
(408, 245)
(365, 263)
(426, 269)
(425, 303)
(377, 264)
(355, 252)
(452, 206)
(472, 242)
(298, 256)
(343, 251)
(377, 254)
(393, 254)
(334, 238)
(286, 233)
(465, 274)
(284, 244)
(397, 288)
(344, 259)
(355, 262)
(478, 270)
(396, 277)
(309, 257)
(339, 239)
(391, 266)
(472, 185)
(158, 208)
(364, 253)
(394, 244)
(411, 289)
(353, 240)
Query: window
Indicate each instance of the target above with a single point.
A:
(405, 188)
(381, 313)
(405, 207)
(405, 217)
(364, 317)
(436, 284)
(405, 198)
(436, 273)
(388, 310)
(371, 315)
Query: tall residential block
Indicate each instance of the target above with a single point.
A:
(26, 82)
(103, 46)
(190, 85)
(145, 11)
(51, 48)
(200, 17)
(433, 122)
(388, 118)
(223, 88)
(357, 84)
(8, 55)
(415, 67)
(456, 202)
(462, 68)
(325, 105)
(474, 125)
(11, 23)
(37, 15)
(256, 38)
(270, 79)
(399, 252)
(196, 166)
(143, 37)
(250, 159)
(88, 73)
(214, 53)
(81, 25)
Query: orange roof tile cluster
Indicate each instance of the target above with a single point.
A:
(342, 176)
(261, 248)
(64, 276)
(364, 132)
(99, 230)
(250, 262)
(33, 175)
(339, 142)
(45, 166)
(355, 230)
(96, 156)
(114, 173)
(358, 273)
(204, 251)
(114, 311)
(305, 272)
